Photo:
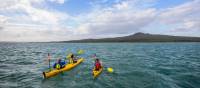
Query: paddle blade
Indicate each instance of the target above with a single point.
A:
(110, 70)
(80, 52)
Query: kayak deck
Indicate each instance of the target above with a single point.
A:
(97, 73)
(66, 68)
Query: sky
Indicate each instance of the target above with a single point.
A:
(62, 20)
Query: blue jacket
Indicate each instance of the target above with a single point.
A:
(61, 63)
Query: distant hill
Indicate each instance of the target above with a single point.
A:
(143, 37)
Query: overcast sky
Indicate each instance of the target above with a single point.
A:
(59, 20)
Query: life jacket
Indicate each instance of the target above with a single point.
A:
(58, 66)
(71, 60)
(98, 65)
(62, 63)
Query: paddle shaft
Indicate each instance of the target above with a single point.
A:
(49, 61)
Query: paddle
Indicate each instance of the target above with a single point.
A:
(79, 52)
(49, 61)
(109, 69)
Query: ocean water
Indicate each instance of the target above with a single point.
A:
(136, 65)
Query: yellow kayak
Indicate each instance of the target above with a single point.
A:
(96, 73)
(66, 68)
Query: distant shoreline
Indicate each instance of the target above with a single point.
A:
(135, 38)
(99, 42)
(140, 37)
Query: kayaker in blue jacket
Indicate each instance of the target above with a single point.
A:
(60, 64)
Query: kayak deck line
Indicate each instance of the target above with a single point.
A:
(67, 67)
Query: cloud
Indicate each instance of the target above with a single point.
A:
(121, 18)
(129, 16)
(32, 20)
(22, 21)
(121, 22)
(123, 5)
(39, 33)
(25, 9)
(3, 19)
(186, 16)
(58, 1)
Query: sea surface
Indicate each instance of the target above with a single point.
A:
(136, 65)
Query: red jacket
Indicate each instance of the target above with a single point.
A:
(97, 65)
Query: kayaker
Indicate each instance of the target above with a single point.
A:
(59, 64)
(97, 64)
(74, 60)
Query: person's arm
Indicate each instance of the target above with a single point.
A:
(100, 64)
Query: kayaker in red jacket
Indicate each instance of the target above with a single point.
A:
(97, 64)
